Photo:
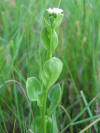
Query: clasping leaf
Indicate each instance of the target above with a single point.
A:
(33, 88)
(51, 71)
(54, 96)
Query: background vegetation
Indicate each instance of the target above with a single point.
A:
(79, 49)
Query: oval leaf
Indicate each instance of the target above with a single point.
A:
(51, 71)
(33, 88)
(54, 96)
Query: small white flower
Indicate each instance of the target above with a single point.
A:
(55, 10)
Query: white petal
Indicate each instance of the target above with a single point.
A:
(55, 10)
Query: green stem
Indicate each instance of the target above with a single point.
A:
(44, 110)
(50, 54)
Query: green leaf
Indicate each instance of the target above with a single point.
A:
(54, 42)
(55, 128)
(52, 124)
(49, 125)
(37, 125)
(43, 56)
(46, 39)
(54, 96)
(33, 88)
(51, 71)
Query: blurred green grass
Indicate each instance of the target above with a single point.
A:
(79, 44)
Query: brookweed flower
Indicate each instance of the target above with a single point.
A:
(55, 11)
(53, 17)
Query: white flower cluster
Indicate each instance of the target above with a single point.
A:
(55, 10)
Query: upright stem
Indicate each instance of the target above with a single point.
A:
(50, 54)
(44, 110)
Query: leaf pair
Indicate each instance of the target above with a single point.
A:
(34, 91)
(37, 124)
(51, 71)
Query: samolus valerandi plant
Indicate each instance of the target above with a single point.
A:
(46, 92)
